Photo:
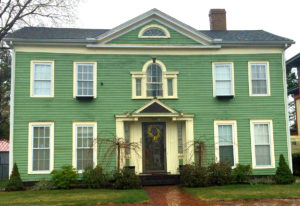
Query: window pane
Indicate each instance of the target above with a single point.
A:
(261, 133)
(154, 90)
(259, 78)
(85, 79)
(223, 79)
(170, 87)
(138, 87)
(42, 79)
(154, 32)
(85, 143)
(127, 137)
(225, 135)
(223, 71)
(223, 87)
(226, 154)
(179, 131)
(42, 71)
(154, 80)
(262, 155)
(42, 87)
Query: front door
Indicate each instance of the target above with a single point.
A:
(154, 147)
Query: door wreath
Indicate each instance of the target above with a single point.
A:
(154, 132)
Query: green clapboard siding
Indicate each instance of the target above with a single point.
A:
(131, 37)
(195, 90)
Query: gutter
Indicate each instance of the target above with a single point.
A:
(15, 40)
(12, 109)
(153, 47)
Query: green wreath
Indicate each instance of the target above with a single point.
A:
(153, 136)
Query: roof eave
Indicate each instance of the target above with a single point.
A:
(80, 41)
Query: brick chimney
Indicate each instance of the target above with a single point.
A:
(217, 19)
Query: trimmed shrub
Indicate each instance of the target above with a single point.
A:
(241, 174)
(15, 182)
(43, 185)
(283, 173)
(219, 173)
(64, 178)
(268, 180)
(296, 164)
(194, 176)
(126, 179)
(95, 177)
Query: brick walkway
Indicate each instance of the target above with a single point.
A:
(174, 196)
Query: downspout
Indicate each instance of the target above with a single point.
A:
(11, 117)
(286, 112)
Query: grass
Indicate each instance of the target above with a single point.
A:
(246, 192)
(73, 197)
(3, 183)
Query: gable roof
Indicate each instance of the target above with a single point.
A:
(155, 106)
(76, 35)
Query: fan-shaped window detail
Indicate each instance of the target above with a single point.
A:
(154, 31)
(154, 80)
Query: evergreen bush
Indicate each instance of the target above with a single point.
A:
(126, 179)
(64, 178)
(241, 174)
(95, 178)
(283, 173)
(194, 176)
(43, 185)
(15, 182)
(220, 173)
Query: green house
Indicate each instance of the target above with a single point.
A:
(152, 93)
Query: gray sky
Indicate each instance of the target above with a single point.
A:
(275, 16)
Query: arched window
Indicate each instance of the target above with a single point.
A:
(154, 31)
(154, 80)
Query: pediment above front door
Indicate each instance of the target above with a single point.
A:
(155, 106)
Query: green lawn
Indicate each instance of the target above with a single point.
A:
(244, 192)
(74, 197)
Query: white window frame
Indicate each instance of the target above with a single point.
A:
(30, 147)
(250, 78)
(32, 65)
(75, 78)
(74, 155)
(232, 77)
(143, 76)
(154, 26)
(271, 142)
(233, 123)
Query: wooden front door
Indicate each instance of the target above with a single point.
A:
(154, 147)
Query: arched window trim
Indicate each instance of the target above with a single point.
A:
(155, 26)
(142, 77)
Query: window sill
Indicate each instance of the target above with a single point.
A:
(263, 167)
(39, 172)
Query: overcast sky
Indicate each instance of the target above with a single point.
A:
(276, 16)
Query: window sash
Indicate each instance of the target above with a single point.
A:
(85, 79)
(259, 78)
(170, 87)
(41, 136)
(84, 146)
(138, 86)
(223, 79)
(42, 79)
(226, 141)
(180, 139)
(262, 144)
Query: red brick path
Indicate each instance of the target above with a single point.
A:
(174, 196)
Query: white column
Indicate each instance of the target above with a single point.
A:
(189, 143)
(121, 137)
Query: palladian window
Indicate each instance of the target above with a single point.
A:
(154, 81)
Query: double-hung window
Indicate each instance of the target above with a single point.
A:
(223, 79)
(226, 142)
(42, 79)
(85, 79)
(40, 147)
(85, 145)
(259, 78)
(262, 144)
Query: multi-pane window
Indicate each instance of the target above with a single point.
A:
(154, 32)
(85, 79)
(170, 87)
(259, 78)
(180, 142)
(127, 137)
(41, 147)
(262, 143)
(42, 79)
(154, 80)
(85, 146)
(138, 89)
(223, 85)
(226, 144)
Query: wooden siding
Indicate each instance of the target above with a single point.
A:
(195, 96)
(131, 37)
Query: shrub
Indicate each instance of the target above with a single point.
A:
(219, 173)
(283, 173)
(64, 178)
(296, 164)
(241, 174)
(15, 182)
(262, 180)
(95, 178)
(43, 185)
(126, 179)
(194, 176)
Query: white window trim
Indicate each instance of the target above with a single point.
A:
(262, 121)
(143, 76)
(232, 76)
(145, 28)
(75, 77)
(235, 139)
(30, 154)
(250, 78)
(74, 155)
(32, 62)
